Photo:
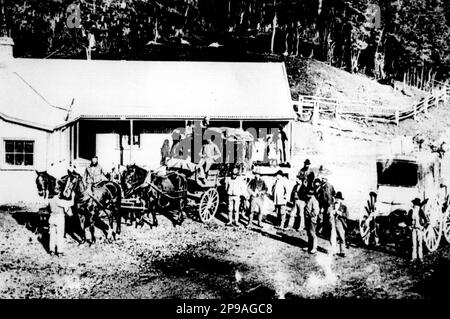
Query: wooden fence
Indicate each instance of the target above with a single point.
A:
(357, 110)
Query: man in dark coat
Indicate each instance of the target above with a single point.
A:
(305, 171)
(257, 189)
(298, 199)
(325, 195)
(311, 213)
(417, 221)
(283, 138)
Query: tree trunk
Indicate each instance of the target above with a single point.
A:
(3, 27)
(297, 42)
(156, 31)
(274, 30)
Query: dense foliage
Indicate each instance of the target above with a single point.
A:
(412, 39)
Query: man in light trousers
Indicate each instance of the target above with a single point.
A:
(58, 208)
(235, 187)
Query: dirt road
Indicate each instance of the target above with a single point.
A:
(214, 261)
(207, 261)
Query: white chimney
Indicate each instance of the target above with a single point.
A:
(6, 50)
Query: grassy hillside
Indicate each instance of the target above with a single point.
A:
(312, 77)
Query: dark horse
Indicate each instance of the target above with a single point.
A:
(104, 197)
(45, 184)
(160, 192)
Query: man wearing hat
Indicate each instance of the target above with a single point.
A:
(305, 171)
(235, 187)
(339, 217)
(417, 220)
(93, 173)
(209, 155)
(58, 208)
(311, 213)
(298, 198)
(325, 195)
(256, 189)
(279, 195)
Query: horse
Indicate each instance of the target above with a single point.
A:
(45, 184)
(166, 192)
(134, 186)
(105, 197)
(161, 192)
(133, 177)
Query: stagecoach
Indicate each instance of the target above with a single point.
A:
(400, 179)
(202, 195)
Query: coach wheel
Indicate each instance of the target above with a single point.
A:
(209, 203)
(432, 235)
(446, 226)
(367, 227)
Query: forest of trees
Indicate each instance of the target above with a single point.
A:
(412, 40)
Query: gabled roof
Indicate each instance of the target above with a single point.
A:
(19, 103)
(148, 89)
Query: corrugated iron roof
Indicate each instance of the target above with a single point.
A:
(149, 89)
(19, 103)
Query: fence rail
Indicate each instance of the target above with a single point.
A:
(340, 108)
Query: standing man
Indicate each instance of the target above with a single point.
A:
(58, 207)
(282, 139)
(325, 195)
(210, 153)
(257, 189)
(279, 195)
(234, 186)
(339, 225)
(165, 152)
(94, 173)
(311, 213)
(306, 172)
(417, 221)
(298, 198)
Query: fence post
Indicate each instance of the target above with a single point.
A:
(397, 117)
(425, 105)
(300, 104)
(414, 111)
(337, 110)
(315, 117)
(366, 113)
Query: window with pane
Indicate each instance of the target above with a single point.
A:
(19, 153)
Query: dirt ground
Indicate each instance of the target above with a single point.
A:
(208, 261)
(198, 260)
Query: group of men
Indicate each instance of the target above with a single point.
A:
(313, 201)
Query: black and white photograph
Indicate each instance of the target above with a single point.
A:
(225, 149)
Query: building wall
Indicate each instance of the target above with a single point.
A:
(51, 154)
(109, 139)
(58, 150)
(18, 184)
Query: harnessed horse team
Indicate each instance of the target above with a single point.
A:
(103, 200)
